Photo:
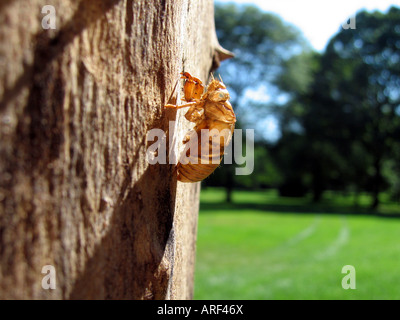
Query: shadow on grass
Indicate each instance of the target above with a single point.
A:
(303, 208)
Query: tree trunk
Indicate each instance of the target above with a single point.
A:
(377, 180)
(229, 182)
(76, 191)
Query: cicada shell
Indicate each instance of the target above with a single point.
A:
(212, 114)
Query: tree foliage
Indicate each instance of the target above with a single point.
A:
(350, 116)
(339, 110)
(263, 44)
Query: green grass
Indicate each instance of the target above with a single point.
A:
(266, 247)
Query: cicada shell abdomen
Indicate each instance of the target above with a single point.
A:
(204, 150)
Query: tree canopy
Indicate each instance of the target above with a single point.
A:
(350, 116)
(263, 46)
(338, 111)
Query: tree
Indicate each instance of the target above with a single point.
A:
(364, 73)
(76, 191)
(350, 115)
(262, 44)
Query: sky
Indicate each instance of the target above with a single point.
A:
(319, 20)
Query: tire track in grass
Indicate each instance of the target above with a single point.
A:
(275, 268)
(341, 240)
(305, 233)
(284, 282)
(283, 247)
(276, 255)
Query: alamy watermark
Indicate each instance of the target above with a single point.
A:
(349, 280)
(49, 20)
(350, 23)
(49, 280)
(197, 148)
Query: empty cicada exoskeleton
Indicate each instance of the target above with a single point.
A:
(215, 122)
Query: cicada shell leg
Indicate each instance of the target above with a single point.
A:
(174, 106)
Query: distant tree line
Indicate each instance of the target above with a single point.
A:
(339, 111)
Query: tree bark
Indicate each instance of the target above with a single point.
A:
(76, 191)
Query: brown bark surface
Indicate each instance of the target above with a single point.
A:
(76, 191)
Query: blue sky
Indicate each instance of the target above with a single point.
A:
(318, 19)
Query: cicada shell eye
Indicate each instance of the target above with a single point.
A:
(223, 95)
(219, 95)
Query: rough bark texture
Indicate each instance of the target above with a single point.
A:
(76, 191)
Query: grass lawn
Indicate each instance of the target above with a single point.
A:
(266, 247)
